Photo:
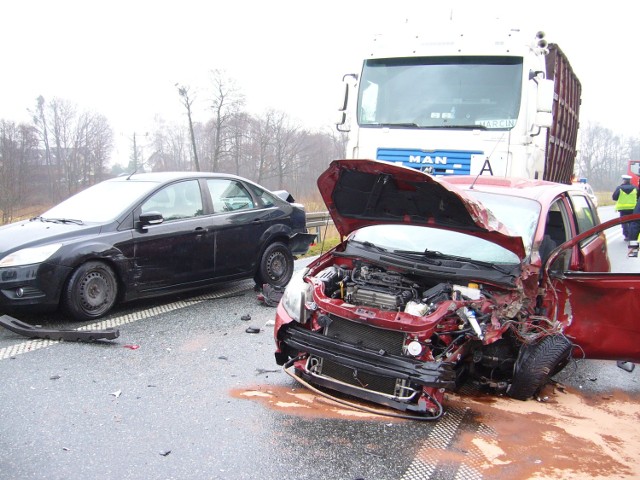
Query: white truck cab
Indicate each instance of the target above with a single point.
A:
(455, 101)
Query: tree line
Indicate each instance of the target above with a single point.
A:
(64, 149)
(603, 155)
(61, 151)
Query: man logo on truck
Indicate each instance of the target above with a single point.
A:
(427, 159)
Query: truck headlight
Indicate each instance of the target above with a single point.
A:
(28, 256)
(295, 296)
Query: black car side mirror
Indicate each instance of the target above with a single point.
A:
(150, 218)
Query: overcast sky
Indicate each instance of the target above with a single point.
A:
(123, 58)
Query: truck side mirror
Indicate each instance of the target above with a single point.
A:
(546, 95)
(342, 118)
(544, 103)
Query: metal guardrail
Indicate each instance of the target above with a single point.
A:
(317, 220)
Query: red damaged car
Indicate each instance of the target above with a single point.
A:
(441, 279)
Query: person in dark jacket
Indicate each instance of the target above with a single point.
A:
(634, 227)
(626, 197)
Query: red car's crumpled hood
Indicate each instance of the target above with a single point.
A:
(369, 192)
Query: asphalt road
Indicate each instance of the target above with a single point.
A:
(185, 392)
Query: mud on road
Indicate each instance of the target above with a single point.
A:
(567, 433)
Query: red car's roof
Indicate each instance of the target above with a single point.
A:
(542, 191)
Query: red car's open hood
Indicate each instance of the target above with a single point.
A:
(368, 192)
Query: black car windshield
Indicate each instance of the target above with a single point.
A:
(414, 238)
(100, 203)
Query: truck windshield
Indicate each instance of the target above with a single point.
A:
(441, 92)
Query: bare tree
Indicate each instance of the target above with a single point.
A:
(18, 144)
(238, 139)
(227, 102)
(262, 139)
(61, 116)
(188, 102)
(170, 147)
(633, 147)
(602, 156)
(320, 149)
(288, 144)
(76, 146)
(39, 120)
(99, 144)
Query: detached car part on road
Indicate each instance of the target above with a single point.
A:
(149, 234)
(440, 279)
(68, 335)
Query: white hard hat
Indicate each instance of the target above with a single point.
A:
(626, 177)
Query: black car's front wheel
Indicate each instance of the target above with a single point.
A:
(91, 291)
(276, 265)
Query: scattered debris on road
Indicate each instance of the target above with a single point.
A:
(270, 295)
(68, 335)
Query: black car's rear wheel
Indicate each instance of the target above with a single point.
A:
(537, 363)
(91, 291)
(276, 265)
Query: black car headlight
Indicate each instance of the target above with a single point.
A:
(30, 256)
(295, 297)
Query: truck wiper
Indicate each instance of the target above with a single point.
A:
(462, 127)
(396, 124)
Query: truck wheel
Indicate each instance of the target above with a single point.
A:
(91, 291)
(537, 363)
(276, 266)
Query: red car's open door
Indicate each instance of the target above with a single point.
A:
(600, 311)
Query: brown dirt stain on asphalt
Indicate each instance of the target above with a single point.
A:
(570, 435)
(300, 401)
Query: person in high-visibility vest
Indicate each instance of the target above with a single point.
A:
(626, 197)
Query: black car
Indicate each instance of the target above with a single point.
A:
(146, 235)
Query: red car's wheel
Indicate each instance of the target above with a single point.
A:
(537, 363)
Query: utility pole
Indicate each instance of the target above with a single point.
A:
(135, 152)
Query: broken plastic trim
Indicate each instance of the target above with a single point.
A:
(68, 335)
(355, 406)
